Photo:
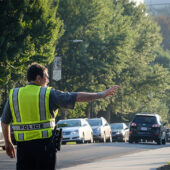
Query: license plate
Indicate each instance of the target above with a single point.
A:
(144, 128)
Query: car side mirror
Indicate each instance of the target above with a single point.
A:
(164, 124)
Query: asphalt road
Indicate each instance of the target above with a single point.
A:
(71, 155)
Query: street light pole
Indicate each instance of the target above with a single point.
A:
(53, 65)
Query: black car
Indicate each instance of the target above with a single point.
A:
(147, 127)
(168, 134)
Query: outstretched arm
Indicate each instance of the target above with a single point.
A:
(86, 97)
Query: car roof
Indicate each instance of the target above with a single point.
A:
(117, 123)
(146, 114)
(72, 119)
(96, 118)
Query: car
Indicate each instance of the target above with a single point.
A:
(101, 129)
(2, 141)
(120, 132)
(75, 130)
(168, 134)
(147, 127)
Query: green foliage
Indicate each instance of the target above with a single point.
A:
(79, 111)
(163, 59)
(118, 46)
(164, 22)
(29, 31)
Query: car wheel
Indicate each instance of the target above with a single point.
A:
(130, 140)
(83, 139)
(104, 138)
(136, 141)
(110, 138)
(63, 143)
(164, 141)
(144, 140)
(159, 142)
(91, 140)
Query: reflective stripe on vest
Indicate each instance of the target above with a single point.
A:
(37, 126)
(45, 134)
(15, 104)
(42, 103)
(21, 136)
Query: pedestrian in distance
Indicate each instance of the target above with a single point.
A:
(32, 110)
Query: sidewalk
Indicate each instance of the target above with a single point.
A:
(145, 160)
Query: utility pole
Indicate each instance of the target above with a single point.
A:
(55, 66)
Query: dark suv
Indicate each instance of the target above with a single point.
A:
(147, 127)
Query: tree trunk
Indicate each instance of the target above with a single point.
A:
(50, 71)
(108, 111)
(88, 112)
(64, 114)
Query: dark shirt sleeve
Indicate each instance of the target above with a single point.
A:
(6, 114)
(59, 99)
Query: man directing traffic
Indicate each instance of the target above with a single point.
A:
(32, 111)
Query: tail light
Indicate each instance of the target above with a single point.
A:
(155, 125)
(132, 124)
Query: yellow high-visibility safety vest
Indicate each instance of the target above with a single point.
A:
(30, 112)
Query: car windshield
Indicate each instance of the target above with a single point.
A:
(145, 119)
(69, 123)
(116, 126)
(95, 122)
(168, 130)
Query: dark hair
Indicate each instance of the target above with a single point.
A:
(33, 70)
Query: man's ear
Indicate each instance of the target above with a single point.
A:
(38, 78)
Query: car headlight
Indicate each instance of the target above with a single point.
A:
(75, 132)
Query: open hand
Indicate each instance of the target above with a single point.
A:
(10, 150)
(110, 91)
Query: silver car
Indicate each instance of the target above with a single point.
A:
(168, 134)
(120, 132)
(75, 130)
(101, 129)
(2, 141)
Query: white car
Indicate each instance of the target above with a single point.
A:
(101, 129)
(2, 141)
(75, 130)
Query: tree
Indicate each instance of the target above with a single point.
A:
(118, 46)
(29, 30)
(164, 22)
(91, 21)
(163, 59)
(141, 78)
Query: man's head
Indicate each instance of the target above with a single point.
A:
(37, 74)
